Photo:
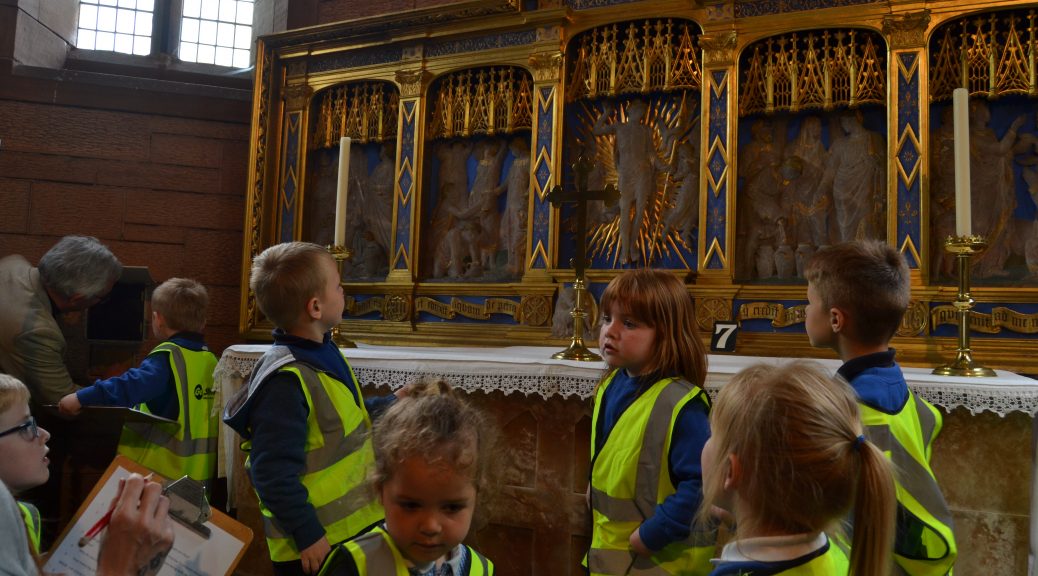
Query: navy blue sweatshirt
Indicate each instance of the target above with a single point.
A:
(151, 383)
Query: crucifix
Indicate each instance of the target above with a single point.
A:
(581, 196)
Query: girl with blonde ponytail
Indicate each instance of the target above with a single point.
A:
(788, 459)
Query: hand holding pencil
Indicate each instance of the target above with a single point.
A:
(101, 524)
(139, 531)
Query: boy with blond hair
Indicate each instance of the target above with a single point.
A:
(174, 381)
(857, 293)
(303, 418)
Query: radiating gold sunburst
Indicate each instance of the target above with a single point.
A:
(674, 118)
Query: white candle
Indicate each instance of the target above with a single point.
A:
(342, 191)
(963, 210)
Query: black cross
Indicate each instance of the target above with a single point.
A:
(581, 196)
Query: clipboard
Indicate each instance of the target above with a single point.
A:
(192, 554)
(123, 413)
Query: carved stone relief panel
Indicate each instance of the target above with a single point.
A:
(811, 171)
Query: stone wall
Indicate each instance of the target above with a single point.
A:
(532, 520)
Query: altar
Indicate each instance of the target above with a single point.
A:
(533, 519)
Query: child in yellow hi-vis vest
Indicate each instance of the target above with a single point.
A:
(140, 533)
(174, 381)
(432, 452)
(303, 416)
(788, 459)
(24, 449)
(857, 293)
(649, 425)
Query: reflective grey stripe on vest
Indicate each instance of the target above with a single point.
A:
(377, 553)
(657, 429)
(927, 421)
(647, 480)
(912, 475)
(473, 556)
(330, 513)
(644, 565)
(189, 446)
(603, 561)
(616, 509)
(621, 562)
(336, 446)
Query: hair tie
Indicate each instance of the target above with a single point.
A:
(859, 442)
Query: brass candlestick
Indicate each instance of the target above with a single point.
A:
(341, 254)
(963, 247)
(580, 196)
(577, 350)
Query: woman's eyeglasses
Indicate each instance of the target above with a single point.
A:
(27, 430)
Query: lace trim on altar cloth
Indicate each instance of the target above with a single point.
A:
(233, 369)
(526, 384)
(986, 395)
(977, 399)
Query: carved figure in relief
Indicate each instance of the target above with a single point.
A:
(369, 258)
(809, 206)
(942, 191)
(856, 175)
(993, 190)
(354, 203)
(562, 321)
(513, 230)
(1030, 176)
(355, 209)
(808, 144)
(451, 188)
(597, 211)
(762, 190)
(636, 163)
(480, 217)
(319, 195)
(685, 215)
(377, 199)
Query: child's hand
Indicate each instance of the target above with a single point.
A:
(637, 545)
(403, 392)
(69, 405)
(313, 556)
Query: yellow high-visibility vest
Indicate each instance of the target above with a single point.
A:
(375, 554)
(189, 447)
(629, 479)
(32, 524)
(338, 458)
(925, 542)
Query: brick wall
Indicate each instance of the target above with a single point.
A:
(162, 191)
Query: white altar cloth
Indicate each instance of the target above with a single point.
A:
(531, 370)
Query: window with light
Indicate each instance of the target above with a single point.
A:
(205, 31)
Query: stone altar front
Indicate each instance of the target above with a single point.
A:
(533, 521)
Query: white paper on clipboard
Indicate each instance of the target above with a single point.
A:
(192, 554)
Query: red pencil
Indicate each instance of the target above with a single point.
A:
(100, 524)
(96, 528)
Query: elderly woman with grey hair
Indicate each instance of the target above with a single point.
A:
(73, 275)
